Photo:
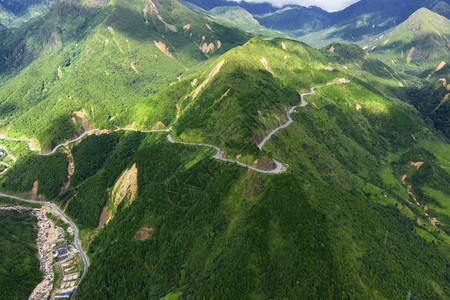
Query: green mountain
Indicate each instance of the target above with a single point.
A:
(352, 59)
(14, 13)
(431, 98)
(442, 8)
(417, 46)
(357, 23)
(363, 198)
(363, 21)
(252, 7)
(235, 16)
(297, 20)
(80, 66)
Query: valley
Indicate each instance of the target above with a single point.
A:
(47, 239)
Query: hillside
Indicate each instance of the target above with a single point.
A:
(363, 21)
(235, 16)
(357, 23)
(80, 66)
(282, 68)
(253, 8)
(19, 263)
(417, 46)
(431, 98)
(297, 20)
(14, 13)
(363, 196)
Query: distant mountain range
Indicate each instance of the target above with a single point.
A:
(13, 13)
(364, 18)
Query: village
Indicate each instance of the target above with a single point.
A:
(60, 262)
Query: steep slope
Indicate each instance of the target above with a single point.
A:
(416, 46)
(431, 98)
(253, 8)
(199, 227)
(358, 22)
(369, 16)
(19, 262)
(78, 67)
(224, 97)
(235, 16)
(367, 69)
(297, 20)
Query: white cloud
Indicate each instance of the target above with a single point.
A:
(328, 5)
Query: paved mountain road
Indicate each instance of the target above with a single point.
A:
(277, 169)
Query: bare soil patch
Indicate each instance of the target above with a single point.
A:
(206, 48)
(403, 179)
(213, 72)
(158, 126)
(144, 233)
(161, 46)
(441, 65)
(103, 218)
(263, 60)
(417, 164)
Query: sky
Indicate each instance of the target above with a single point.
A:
(328, 5)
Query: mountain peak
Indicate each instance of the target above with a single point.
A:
(422, 42)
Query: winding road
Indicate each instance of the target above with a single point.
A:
(278, 168)
(292, 110)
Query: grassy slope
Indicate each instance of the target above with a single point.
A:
(16, 13)
(236, 16)
(19, 265)
(82, 58)
(255, 97)
(431, 99)
(366, 20)
(416, 46)
(221, 231)
(296, 21)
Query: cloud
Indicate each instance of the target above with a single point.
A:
(328, 5)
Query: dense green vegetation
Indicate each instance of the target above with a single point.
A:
(82, 66)
(416, 46)
(210, 229)
(14, 13)
(99, 162)
(431, 99)
(245, 100)
(19, 149)
(19, 265)
(50, 172)
(215, 224)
